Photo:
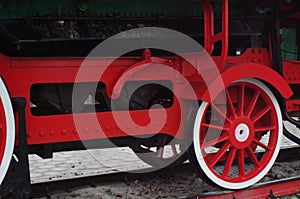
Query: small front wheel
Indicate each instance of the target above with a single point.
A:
(236, 143)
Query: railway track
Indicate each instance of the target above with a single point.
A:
(272, 189)
(160, 181)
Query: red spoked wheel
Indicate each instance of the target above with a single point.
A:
(7, 131)
(236, 142)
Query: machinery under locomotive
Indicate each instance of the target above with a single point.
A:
(254, 53)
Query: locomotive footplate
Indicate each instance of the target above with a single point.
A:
(16, 183)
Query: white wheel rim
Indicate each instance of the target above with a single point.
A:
(10, 130)
(200, 157)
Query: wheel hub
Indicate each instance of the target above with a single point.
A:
(241, 132)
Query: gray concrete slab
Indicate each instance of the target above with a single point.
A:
(72, 164)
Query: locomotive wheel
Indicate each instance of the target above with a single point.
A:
(7, 131)
(162, 156)
(240, 151)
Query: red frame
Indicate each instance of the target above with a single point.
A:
(19, 74)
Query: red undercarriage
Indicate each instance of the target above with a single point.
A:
(19, 74)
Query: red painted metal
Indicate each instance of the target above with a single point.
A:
(61, 128)
(250, 110)
(290, 68)
(19, 74)
(292, 105)
(249, 70)
(291, 71)
(210, 38)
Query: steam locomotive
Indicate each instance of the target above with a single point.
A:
(206, 80)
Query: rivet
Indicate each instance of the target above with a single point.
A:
(63, 132)
(51, 133)
(127, 127)
(157, 123)
(260, 60)
(41, 134)
(107, 128)
(86, 130)
(97, 130)
(29, 135)
(253, 60)
(75, 131)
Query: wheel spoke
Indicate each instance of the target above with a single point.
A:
(229, 162)
(230, 104)
(241, 162)
(241, 100)
(221, 113)
(262, 144)
(261, 113)
(264, 128)
(219, 155)
(215, 127)
(174, 151)
(253, 157)
(160, 152)
(252, 104)
(214, 141)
